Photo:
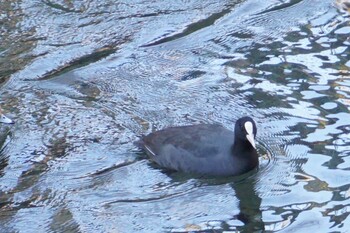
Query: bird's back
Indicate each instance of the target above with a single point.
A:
(205, 149)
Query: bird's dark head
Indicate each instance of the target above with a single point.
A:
(245, 129)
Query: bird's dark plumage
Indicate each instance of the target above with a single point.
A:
(206, 149)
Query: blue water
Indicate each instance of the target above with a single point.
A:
(84, 79)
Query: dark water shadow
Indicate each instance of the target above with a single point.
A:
(249, 219)
(281, 6)
(5, 134)
(250, 212)
(194, 27)
(249, 201)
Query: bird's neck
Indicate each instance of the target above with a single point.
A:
(244, 150)
(241, 146)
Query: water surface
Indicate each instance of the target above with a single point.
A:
(84, 79)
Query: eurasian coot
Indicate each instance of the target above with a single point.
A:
(207, 149)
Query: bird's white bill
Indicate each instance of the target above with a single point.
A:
(248, 127)
(250, 138)
(5, 119)
(250, 135)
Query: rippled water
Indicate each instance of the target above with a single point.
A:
(84, 79)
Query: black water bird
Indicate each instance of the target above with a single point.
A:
(207, 149)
